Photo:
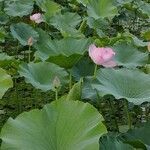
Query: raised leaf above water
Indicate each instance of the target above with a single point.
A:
(66, 23)
(138, 137)
(84, 2)
(18, 7)
(101, 8)
(62, 125)
(132, 85)
(42, 74)
(49, 7)
(23, 32)
(68, 19)
(65, 52)
(5, 82)
(112, 142)
(129, 56)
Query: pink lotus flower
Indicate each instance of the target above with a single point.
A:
(102, 56)
(36, 18)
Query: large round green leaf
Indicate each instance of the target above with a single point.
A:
(18, 7)
(101, 26)
(129, 56)
(62, 125)
(65, 61)
(49, 7)
(122, 2)
(88, 92)
(65, 52)
(5, 57)
(140, 136)
(101, 8)
(5, 82)
(3, 34)
(68, 51)
(83, 69)
(144, 7)
(68, 31)
(66, 19)
(42, 74)
(132, 85)
(66, 23)
(146, 34)
(23, 32)
(137, 138)
(42, 45)
(4, 18)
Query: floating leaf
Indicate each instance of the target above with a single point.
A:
(132, 85)
(23, 32)
(5, 82)
(42, 74)
(62, 125)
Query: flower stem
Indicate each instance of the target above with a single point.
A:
(29, 57)
(70, 81)
(16, 55)
(82, 25)
(95, 71)
(56, 94)
(126, 106)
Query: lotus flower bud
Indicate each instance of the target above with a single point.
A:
(102, 56)
(56, 83)
(30, 41)
(36, 18)
(143, 109)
